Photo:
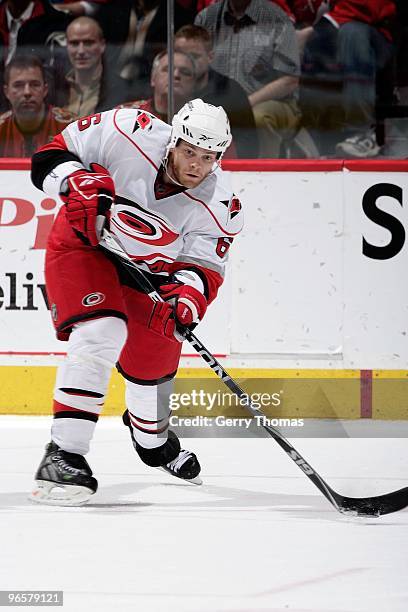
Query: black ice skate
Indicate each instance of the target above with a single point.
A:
(184, 466)
(169, 457)
(63, 479)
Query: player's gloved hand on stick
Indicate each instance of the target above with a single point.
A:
(88, 196)
(189, 304)
(184, 306)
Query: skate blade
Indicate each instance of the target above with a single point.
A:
(52, 494)
(196, 481)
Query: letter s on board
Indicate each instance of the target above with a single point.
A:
(383, 219)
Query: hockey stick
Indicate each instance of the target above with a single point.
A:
(359, 506)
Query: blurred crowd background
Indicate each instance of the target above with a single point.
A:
(298, 78)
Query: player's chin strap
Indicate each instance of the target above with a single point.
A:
(359, 506)
(165, 163)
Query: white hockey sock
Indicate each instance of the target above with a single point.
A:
(149, 413)
(82, 380)
(73, 435)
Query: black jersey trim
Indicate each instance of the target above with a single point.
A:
(81, 392)
(43, 162)
(66, 325)
(141, 381)
(78, 414)
(159, 430)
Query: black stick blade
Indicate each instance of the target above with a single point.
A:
(372, 506)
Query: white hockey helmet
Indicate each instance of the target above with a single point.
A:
(203, 125)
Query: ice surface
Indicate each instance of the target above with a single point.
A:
(256, 536)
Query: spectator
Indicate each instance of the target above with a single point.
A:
(29, 124)
(12, 16)
(302, 13)
(218, 89)
(32, 27)
(350, 44)
(255, 43)
(183, 82)
(89, 86)
(16, 14)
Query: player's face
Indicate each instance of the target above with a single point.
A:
(26, 91)
(190, 165)
(196, 48)
(183, 80)
(85, 45)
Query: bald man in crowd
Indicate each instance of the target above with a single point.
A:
(90, 87)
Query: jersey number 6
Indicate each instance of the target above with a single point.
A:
(86, 122)
(223, 244)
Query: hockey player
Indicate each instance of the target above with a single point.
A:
(161, 191)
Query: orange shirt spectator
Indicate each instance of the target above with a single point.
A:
(29, 123)
(16, 143)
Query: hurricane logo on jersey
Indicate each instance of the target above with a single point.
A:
(143, 121)
(143, 225)
(92, 299)
(234, 206)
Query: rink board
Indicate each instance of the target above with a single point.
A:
(335, 394)
(322, 256)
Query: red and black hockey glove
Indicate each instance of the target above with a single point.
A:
(184, 306)
(89, 195)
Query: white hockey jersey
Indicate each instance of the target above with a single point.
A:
(194, 226)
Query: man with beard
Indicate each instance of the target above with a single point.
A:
(29, 123)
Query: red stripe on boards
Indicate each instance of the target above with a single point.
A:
(271, 165)
(366, 394)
